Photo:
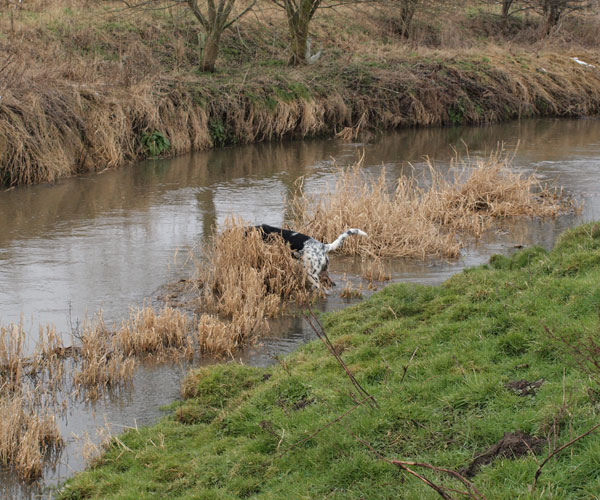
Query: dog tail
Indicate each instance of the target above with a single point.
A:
(341, 238)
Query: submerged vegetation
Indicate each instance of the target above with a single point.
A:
(472, 385)
(86, 86)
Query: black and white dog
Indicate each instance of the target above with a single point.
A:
(312, 252)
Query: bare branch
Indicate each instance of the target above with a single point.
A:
(243, 13)
(558, 450)
(317, 327)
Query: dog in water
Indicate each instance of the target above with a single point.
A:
(314, 254)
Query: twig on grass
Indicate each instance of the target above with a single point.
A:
(317, 327)
(472, 492)
(405, 367)
(558, 450)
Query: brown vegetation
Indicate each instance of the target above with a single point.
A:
(242, 281)
(477, 194)
(28, 427)
(101, 364)
(412, 221)
(84, 87)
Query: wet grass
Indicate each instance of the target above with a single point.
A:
(438, 360)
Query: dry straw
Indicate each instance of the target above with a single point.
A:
(27, 435)
(101, 364)
(161, 334)
(479, 193)
(411, 221)
(242, 281)
(393, 218)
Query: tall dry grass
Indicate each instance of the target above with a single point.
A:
(242, 281)
(100, 364)
(413, 221)
(151, 333)
(477, 194)
(394, 219)
(27, 435)
(28, 384)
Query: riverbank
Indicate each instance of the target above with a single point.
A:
(504, 350)
(85, 88)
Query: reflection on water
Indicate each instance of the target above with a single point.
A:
(108, 241)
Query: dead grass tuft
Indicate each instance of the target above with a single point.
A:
(393, 218)
(477, 194)
(243, 281)
(147, 332)
(411, 221)
(374, 270)
(102, 364)
(26, 434)
(351, 292)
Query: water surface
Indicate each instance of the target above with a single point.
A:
(108, 241)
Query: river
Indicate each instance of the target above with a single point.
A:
(111, 240)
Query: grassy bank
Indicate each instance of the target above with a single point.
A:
(497, 349)
(86, 87)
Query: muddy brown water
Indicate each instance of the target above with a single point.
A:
(109, 241)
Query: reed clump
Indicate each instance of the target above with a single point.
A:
(28, 433)
(12, 340)
(374, 270)
(102, 365)
(148, 332)
(394, 219)
(414, 221)
(351, 292)
(244, 280)
(476, 194)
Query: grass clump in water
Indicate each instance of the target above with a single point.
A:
(242, 281)
(414, 221)
(440, 362)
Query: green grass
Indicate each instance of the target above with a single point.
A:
(479, 330)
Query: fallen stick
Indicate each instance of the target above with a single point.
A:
(317, 327)
(557, 451)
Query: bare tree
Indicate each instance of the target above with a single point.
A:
(406, 12)
(214, 16)
(299, 14)
(215, 20)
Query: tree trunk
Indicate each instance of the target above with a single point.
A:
(506, 5)
(552, 16)
(298, 47)
(298, 26)
(210, 51)
(407, 12)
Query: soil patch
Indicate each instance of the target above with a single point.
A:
(512, 445)
(524, 387)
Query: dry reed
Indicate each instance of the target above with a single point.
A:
(162, 334)
(243, 281)
(477, 194)
(411, 221)
(394, 219)
(101, 364)
(350, 291)
(26, 434)
(374, 270)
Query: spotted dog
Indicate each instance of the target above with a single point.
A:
(312, 252)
